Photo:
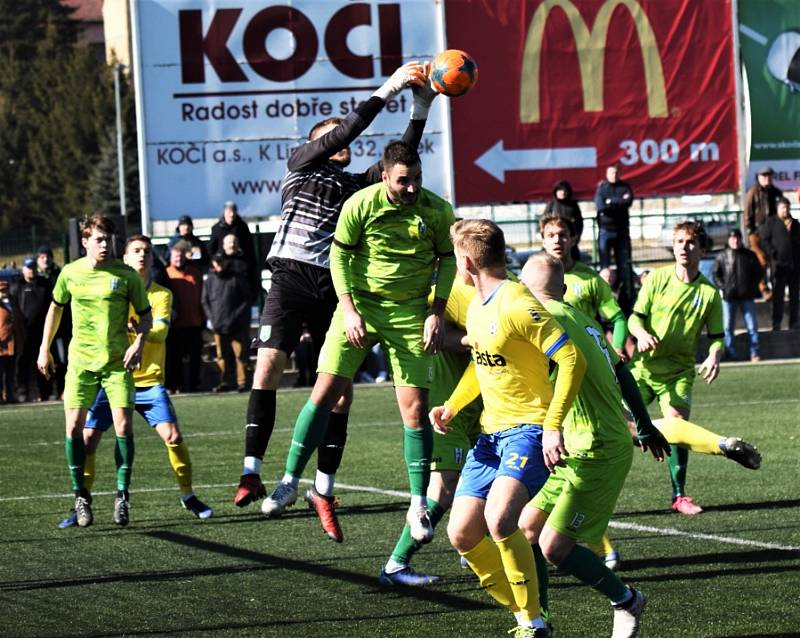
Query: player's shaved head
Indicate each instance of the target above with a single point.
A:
(482, 241)
(543, 274)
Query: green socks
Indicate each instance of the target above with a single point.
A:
(543, 577)
(406, 546)
(678, 461)
(76, 458)
(417, 450)
(309, 430)
(123, 455)
(587, 567)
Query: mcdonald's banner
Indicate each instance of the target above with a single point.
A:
(769, 36)
(568, 87)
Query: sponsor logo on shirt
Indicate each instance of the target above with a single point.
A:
(421, 227)
(115, 282)
(534, 315)
(490, 359)
(696, 300)
(577, 289)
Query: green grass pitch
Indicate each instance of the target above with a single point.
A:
(732, 571)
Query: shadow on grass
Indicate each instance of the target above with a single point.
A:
(754, 560)
(259, 562)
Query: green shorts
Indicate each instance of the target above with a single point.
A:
(580, 497)
(81, 387)
(450, 450)
(671, 391)
(397, 326)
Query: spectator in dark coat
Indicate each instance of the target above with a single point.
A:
(613, 200)
(226, 301)
(565, 205)
(33, 294)
(780, 238)
(197, 254)
(47, 268)
(231, 224)
(737, 273)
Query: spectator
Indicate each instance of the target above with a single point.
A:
(613, 199)
(186, 332)
(737, 273)
(33, 295)
(197, 254)
(47, 268)
(780, 238)
(12, 334)
(564, 205)
(231, 223)
(234, 256)
(760, 203)
(226, 301)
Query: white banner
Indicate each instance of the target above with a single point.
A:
(226, 89)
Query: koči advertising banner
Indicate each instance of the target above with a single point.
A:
(227, 88)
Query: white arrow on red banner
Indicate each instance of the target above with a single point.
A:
(497, 160)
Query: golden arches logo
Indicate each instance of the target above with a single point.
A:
(591, 44)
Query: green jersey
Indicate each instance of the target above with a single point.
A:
(391, 250)
(99, 300)
(595, 426)
(675, 312)
(588, 292)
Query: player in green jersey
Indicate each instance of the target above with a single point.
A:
(99, 289)
(673, 306)
(578, 499)
(449, 452)
(586, 290)
(389, 239)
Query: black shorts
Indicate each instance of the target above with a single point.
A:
(301, 296)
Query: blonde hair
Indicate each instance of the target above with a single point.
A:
(482, 240)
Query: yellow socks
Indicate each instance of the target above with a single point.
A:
(485, 561)
(603, 548)
(689, 435)
(520, 568)
(181, 465)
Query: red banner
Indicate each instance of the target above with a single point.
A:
(568, 87)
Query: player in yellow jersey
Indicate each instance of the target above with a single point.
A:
(151, 401)
(513, 340)
(99, 290)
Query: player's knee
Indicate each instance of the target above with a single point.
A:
(500, 524)
(170, 434)
(552, 552)
(459, 536)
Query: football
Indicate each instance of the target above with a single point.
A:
(453, 72)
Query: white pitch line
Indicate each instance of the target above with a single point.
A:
(732, 540)
(663, 531)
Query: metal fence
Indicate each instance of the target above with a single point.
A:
(18, 243)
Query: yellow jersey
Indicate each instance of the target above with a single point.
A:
(151, 369)
(513, 338)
